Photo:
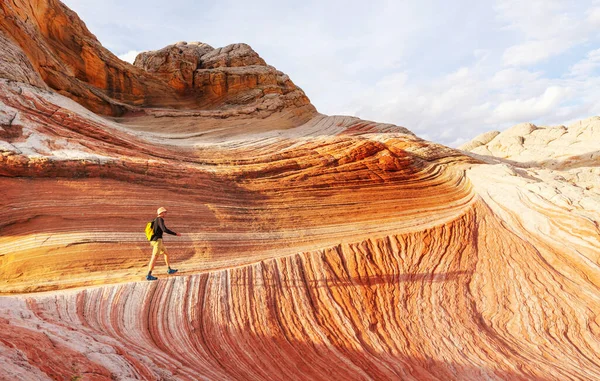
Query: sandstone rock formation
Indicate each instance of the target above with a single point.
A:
(336, 248)
(569, 155)
(69, 59)
(229, 76)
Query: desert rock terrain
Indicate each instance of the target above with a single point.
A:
(313, 247)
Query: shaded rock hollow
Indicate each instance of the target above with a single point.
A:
(313, 247)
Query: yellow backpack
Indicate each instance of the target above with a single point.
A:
(149, 230)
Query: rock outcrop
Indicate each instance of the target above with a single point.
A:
(570, 155)
(314, 247)
(175, 63)
(69, 59)
(229, 76)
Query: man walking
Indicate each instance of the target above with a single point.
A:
(157, 243)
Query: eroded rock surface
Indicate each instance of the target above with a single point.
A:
(71, 61)
(16, 66)
(232, 76)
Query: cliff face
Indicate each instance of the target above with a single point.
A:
(70, 60)
(312, 247)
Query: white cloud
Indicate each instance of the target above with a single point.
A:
(540, 19)
(586, 66)
(544, 28)
(529, 109)
(511, 77)
(593, 16)
(455, 107)
(532, 52)
(457, 142)
(129, 56)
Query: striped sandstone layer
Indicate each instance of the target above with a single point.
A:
(242, 198)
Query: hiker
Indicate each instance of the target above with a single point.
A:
(157, 243)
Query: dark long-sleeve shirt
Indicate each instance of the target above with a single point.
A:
(159, 228)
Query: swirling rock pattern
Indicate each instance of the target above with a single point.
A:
(338, 249)
(313, 247)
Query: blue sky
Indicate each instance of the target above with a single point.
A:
(448, 71)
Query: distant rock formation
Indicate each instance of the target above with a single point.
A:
(528, 143)
(70, 60)
(570, 153)
(176, 63)
(233, 75)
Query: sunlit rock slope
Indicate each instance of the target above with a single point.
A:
(313, 247)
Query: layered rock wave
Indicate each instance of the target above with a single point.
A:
(259, 191)
(313, 247)
(339, 248)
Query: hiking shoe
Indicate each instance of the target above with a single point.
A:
(172, 271)
(150, 277)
